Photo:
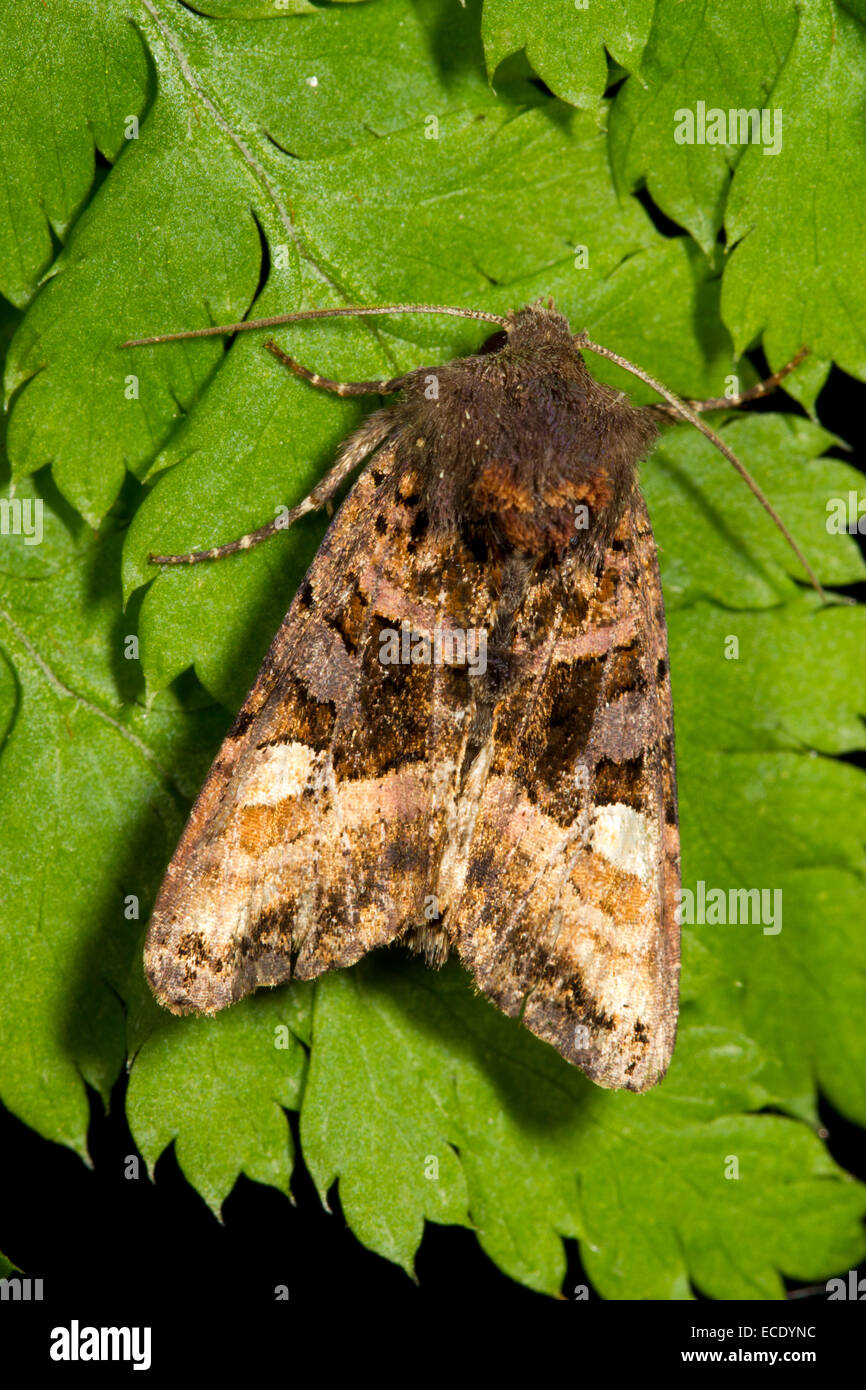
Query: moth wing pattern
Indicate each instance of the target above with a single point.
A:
(523, 814)
(568, 912)
(318, 832)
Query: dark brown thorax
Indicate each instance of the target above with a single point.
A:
(521, 444)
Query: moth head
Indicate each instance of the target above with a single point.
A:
(540, 331)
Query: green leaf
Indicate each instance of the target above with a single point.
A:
(378, 1092)
(247, 1069)
(725, 54)
(409, 1067)
(91, 798)
(737, 555)
(766, 693)
(74, 76)
(172, 238)
(565, 41)
(792, 274)
(795, 275)
(7, 1267)
(256, 9)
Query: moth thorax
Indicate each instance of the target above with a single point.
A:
(562, 504)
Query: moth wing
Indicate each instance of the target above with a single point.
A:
(568, 910)
(318, 831)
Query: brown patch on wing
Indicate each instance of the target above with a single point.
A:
(564, 906)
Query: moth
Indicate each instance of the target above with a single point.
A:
(382, 783)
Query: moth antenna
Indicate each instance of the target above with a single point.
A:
(356, 312)
(582, 340)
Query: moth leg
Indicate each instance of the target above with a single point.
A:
(754, 393)
(365, 439)
(342, 388)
